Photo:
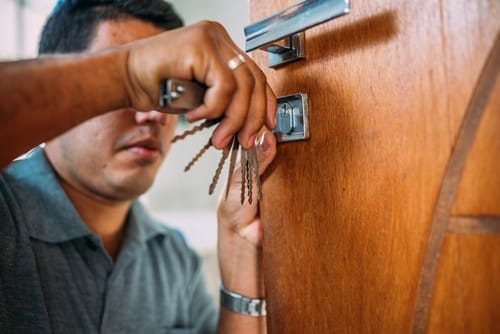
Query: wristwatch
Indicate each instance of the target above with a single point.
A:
(255, 307)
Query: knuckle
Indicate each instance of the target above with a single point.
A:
(260, 79)
(209, 26)
(204, 23)
(248, 84)
(250, 80)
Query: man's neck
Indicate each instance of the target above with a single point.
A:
(105, 218)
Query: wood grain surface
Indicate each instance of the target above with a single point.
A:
(466, 296)
(482, 94)
(347, 213)
(479, 189)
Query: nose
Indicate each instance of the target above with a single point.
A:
(152, 116)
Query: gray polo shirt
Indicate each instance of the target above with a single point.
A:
(55, 276)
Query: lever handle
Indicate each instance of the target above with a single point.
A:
(287, 23)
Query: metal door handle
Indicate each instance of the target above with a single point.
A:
(282, 34)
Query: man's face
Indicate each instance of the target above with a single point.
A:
(114, 156)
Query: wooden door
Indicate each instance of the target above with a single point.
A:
(387, 220)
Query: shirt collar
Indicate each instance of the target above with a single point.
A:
(39, 192)
(141, 226)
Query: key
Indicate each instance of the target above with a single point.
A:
(249, 169)
(205, 125)
(225, 153)
(232, 162)
(198, 155)
(249, 176)
(243, 162)
(180, 96)
(255, 168)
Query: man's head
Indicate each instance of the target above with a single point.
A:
(72, 25)
(114, 156)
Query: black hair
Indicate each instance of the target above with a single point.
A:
(72, 24)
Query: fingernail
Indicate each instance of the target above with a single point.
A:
(251, 141)
(263, 145)
(260, 141)
(228, 140)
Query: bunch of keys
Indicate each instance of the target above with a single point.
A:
(183, 95)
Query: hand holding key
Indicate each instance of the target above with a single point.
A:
(243, 180)
(236, 89)
(248, 162)
(234, 216)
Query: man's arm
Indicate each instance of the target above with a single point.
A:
(42, 98)
(240, 246)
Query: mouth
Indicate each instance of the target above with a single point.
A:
(147, 149)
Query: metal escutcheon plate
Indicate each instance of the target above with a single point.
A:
(292, 121)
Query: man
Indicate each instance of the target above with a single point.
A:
(79, 253)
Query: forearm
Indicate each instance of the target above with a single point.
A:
(42, 98)
(241, 272)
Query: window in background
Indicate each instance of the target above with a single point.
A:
(20, 25)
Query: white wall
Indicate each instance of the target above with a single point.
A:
(232, 13)
(32, 17)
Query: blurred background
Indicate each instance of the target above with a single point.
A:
(179, 199)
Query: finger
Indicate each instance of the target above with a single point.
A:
(253, 97)
(270, 108)
(257, 109)
(263, 100)
(237, 111)
(215, 74)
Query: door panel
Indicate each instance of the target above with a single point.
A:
(466, 292)
(479, 189)
(348, 212)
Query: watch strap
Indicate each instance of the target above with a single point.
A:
(255, 307)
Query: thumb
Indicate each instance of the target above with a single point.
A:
(266, 150)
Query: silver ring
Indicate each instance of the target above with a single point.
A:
(233, 63)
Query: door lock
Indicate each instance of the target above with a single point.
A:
(292, 121)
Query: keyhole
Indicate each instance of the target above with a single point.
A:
(285, 119)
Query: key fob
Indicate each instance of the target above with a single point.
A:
(179, 96)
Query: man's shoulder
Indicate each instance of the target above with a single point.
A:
(10, 183)
(31, 168)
